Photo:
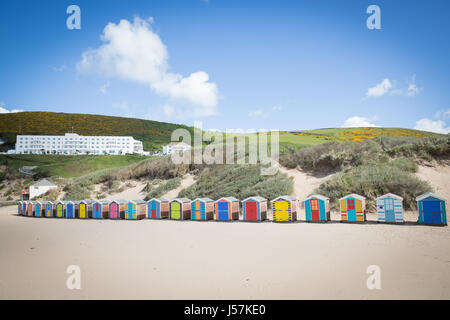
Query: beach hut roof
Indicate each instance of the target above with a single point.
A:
(231, 199)
(119, 201)
(203, 200)
(138, 201)
(353, 195)
(255, 198)
(183, 200)
(389, 195)
(159, 200)
(288, 198)
(317, 196)
(429, 194)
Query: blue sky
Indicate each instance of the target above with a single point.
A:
(231, 64)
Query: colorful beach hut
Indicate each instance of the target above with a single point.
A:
(284, 209)
(135, 210)
(390, 208)
(202, 209)
(49, 208)
(37, 208)
(70, 209)
(24, 208)
(117, 209)
(99, 209)
(30, 207)
(317, 208)
(353, 208)
(19, 207)
(82, 208)
(180, 209)
(59, 212)
(432, 209)
(157, 208)
(227, 209)
(254, 208)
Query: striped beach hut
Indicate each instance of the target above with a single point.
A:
(117, 209)
(202, 209)
(317, 208)
(24, 208)
(353, 208)
(226, 209)
(19, 207)
(38, 208)
(30, 208)
(83, 209)
(135, 210)
(59, 212)
(390, 208)
(180, 209)
(284, 209)
(99, 209)
(157, 208)
(254, 209)
(432, 209)
(49, 209)
(70, 209)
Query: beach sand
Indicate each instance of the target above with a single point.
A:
(152, 259)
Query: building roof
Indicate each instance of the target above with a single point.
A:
(316, 196)
(44, 183)
(353, 195)
(288, 198)
(255, 198)
(389, 195)
(231, 199)
(429, 194)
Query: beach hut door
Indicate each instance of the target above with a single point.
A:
(432, 212)
(30, 210)
(48, 210)
(389, 210)
(222, 210)
(315, 214)
(114, 211)
(82, 212)
(59, 210)
(131, 210)
(38, 210)
(175, 210)
(282, 211)
(154, 209)
(351, 211)
(251, 211)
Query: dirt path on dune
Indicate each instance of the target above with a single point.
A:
(187, 181)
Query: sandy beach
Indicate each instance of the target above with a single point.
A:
(151, 259)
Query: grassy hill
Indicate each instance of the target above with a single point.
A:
(153, 134)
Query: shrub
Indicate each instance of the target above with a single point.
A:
(240, 181)
(164, 188)
(374, 180)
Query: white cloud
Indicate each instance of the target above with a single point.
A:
(60, 68)
(358, 122)
(437, 126)
(132, 51)
(277, 108)
(4, 110)
(413, 89)
(104, 88)
(380, 89)
(258, 113)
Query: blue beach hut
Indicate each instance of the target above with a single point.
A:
(431, 209)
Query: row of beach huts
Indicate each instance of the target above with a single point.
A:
(431, 209)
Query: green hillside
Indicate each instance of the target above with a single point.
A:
(153, 134)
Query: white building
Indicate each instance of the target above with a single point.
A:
(72, 143)
(41, 187)
(176, 146)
